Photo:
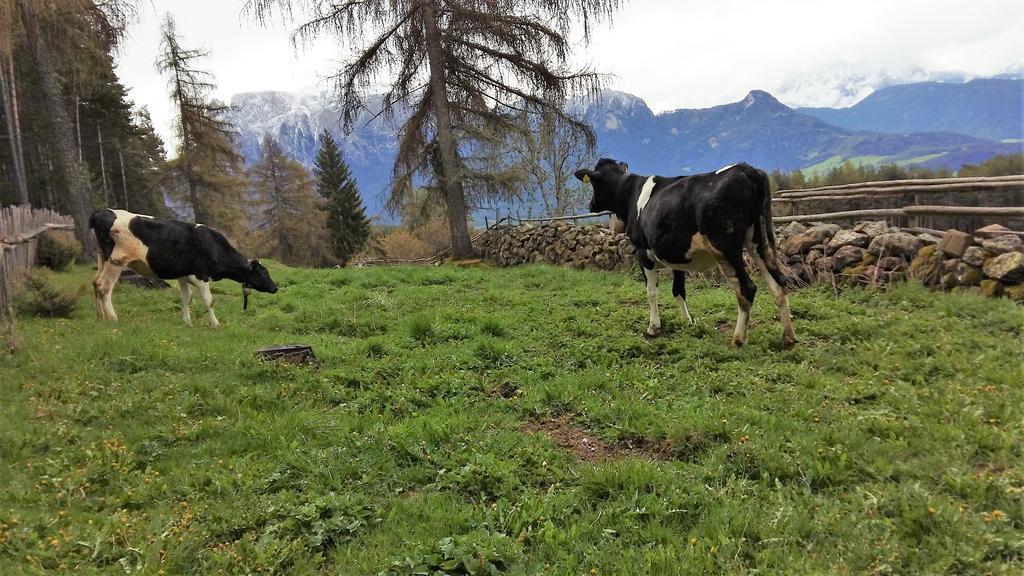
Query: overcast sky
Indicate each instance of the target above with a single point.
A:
(672, 53)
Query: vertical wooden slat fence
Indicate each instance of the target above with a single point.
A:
(20, 227)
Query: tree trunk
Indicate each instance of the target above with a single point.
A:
(455, 199)
(64, 137)
(8, 86)
(103, 167)
(124, 179)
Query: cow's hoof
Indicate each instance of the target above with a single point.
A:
(652, 333)
(788, 343)
(737, 343)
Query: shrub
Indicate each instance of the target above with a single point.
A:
(425, 240)
(57, 250)
(40, 297)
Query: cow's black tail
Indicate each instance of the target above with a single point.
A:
(101, 222)
(766, 240)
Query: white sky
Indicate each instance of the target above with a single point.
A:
(672, 53)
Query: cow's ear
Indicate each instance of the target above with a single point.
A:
(254, 265)
(586, 176)
(624, 166)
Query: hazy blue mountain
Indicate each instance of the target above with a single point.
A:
(759, 130)
(989, 108)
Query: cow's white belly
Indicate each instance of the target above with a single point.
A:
(700, 257)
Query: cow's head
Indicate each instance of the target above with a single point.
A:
(605, 180)
(258, 278)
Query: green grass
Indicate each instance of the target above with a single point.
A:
(888, 442)
(836, 161)
(919, 159)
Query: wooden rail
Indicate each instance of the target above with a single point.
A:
(941, 203)
(20, 226)
(1018, 178)
(908, 211)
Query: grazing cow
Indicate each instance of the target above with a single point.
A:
(194, 254)
(692, 223)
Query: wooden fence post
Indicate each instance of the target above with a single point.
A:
(20, 227)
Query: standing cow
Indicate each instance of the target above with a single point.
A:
(692, 223)
(193, 254)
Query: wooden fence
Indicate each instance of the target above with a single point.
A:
(960, 203)
(20, 227)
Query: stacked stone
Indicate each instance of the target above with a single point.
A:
(991, 258)
(873, 252)
(561, 243)
(868, 252)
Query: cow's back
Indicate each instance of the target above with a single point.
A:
(174, 250)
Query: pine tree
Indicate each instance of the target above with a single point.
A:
(290, 224)
(347, 225)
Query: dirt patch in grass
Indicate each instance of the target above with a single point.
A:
(587, 446)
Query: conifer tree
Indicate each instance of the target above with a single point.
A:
(208, 173)
(290, 222)
(347, 225)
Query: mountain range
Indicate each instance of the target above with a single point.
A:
(932, 124)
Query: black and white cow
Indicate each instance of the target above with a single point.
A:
(193, 254)
(693, 223)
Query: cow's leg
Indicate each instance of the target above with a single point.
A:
(679, 291)
(186, 300)
(736, 273)
(97, 294)
(771, 274)
(654, 328)
(207, 297)
(103, 288)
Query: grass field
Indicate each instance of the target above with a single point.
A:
(512, 421)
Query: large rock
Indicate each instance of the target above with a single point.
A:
(926, 265)
(948, 281)
(846, 256)
(801, 243)
(950, 265)
(891, 263)
(895, 244)
(873, 228)
(1003, 244)
(990, 288)
(1007, 268)
(792, 229)
(955, 242)
(967, 275)
(847, 238)
(1015, 293)
(812, 257)
(992, 230)
(929, 239)
(975, 256)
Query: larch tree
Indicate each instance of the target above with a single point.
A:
(290, 222)
(549, 154)
(208, 172)
(348, 227)
(458, 64)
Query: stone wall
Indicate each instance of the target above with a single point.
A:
(594, 247)
(991, 260)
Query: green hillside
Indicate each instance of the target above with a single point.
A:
(512, 421)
